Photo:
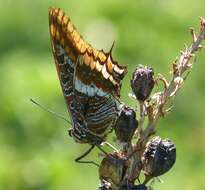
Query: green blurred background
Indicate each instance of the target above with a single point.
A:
(35, 150)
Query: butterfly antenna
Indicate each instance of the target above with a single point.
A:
(50, 111)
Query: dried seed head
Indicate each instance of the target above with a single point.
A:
(126, 125)
(158, 157)
(112, 168)
(130, 186)
(142, 82)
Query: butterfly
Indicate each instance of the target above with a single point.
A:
(90, 80)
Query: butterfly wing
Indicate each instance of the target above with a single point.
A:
(105, 73)
(84, 72)
(65, 56)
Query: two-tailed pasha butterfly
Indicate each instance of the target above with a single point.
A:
(90, 81)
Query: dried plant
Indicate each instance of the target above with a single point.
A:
(139, 154)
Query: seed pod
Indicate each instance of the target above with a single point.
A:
(112, 168)
(126, 125)
(158, 157)
(130, 186)
(142, 82)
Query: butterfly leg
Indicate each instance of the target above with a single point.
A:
(101, 149)
(79, 159)
(111, 146)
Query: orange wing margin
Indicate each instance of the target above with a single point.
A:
(103, 71)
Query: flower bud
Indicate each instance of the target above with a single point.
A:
(126, 125)
(158, 157)
(112, 168)
(142, 82)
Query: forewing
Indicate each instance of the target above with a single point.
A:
(64, 54)
(96, 69)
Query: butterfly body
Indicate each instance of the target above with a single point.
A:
(89, 78)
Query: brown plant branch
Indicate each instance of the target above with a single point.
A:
(151, 110)
(177, 78)
(160, 100)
